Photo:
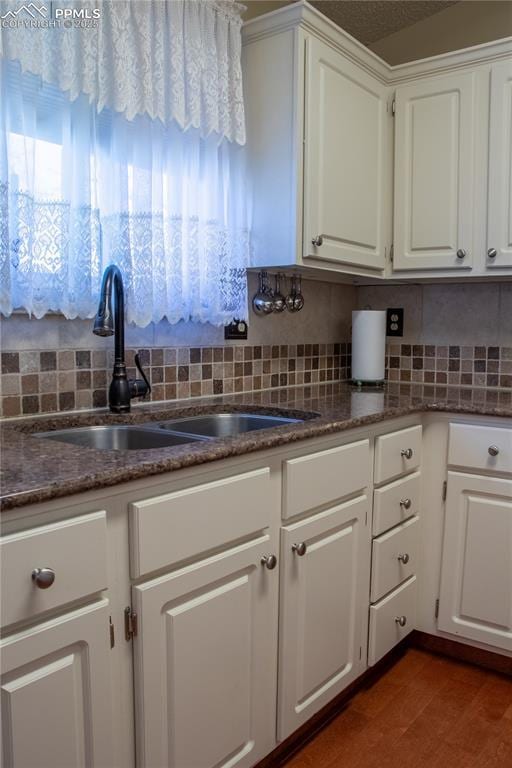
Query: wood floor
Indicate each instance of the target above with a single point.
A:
(426, 711)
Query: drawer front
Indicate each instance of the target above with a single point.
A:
(397, 454)
(74, 549)
(324, 477)
(395, 558)
(167, 529)
(395, 503)
(479, 447)
(385, 630)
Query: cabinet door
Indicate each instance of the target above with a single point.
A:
(56, 706)
(324, 610)
(205, 662)
(434, 173)
(476, 580)
(347, 182)
(499, 231)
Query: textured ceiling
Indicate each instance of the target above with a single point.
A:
(371, 20)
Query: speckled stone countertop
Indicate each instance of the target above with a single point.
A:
(35, 469)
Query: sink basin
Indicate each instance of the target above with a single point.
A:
(225, 424)
(119, 438)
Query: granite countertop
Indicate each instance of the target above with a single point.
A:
(35, 470)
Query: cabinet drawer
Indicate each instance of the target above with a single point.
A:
(391, 503)
(473, 447)
(392, 453)
(385, 631)
(387, 569)
(167, 529)
(321, 478)
(74, 549)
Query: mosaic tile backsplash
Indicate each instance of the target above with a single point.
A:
(44, 382)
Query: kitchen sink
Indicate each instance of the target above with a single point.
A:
(225, 424)
(119, 438)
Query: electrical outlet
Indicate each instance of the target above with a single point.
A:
(236, 330)
(395, 322)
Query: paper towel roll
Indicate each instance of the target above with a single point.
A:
(368, 345)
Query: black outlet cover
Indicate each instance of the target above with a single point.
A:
(395, 321)
(236, 330)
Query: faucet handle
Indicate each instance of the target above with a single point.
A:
(140, 387)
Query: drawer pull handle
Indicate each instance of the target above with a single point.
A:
(401, 620)
(493, 450)
(43, 577)
(300, 549)
(404, 558)
(406, 503)
(406, 453)
(270, 561)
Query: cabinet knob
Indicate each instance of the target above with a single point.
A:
(317, 241)
(43, 577)
(406, 503)
(300, 549)
(404, 558)
(406, 453)
(492, 253)
(493, 450)
(401, 620)
(461, 253)
(269, 561)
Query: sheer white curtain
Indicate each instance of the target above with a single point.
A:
(80, 188)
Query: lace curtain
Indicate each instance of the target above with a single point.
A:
(170, 59)
(81, 188)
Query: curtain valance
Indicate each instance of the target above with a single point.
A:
(175, 60)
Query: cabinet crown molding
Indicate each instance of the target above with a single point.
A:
(302, 14)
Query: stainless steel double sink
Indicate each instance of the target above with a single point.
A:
(166, 434)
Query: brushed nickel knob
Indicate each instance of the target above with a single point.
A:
(401, 620)
(43, 577)
(406, 503)
(300, 549)
(269, 561)
(317, 241)
(492, 253)
(461, 253)
(403, 558)
(493, 450)
(406, 453)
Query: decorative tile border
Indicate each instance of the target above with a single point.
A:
(63, 380)
(45, 382)
(453, 365)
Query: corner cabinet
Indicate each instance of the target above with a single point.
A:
(434, 173)
(339, 187)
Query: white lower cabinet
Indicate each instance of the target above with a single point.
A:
(56, 705)
(476, 596)
(206, 661)
(325, 564)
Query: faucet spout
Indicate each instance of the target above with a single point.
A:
(108, 323)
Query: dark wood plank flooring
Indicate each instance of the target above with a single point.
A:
(427, 711)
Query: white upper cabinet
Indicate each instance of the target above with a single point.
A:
(434, 173)
(499, 224)
(325, 193)
(345, 168)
